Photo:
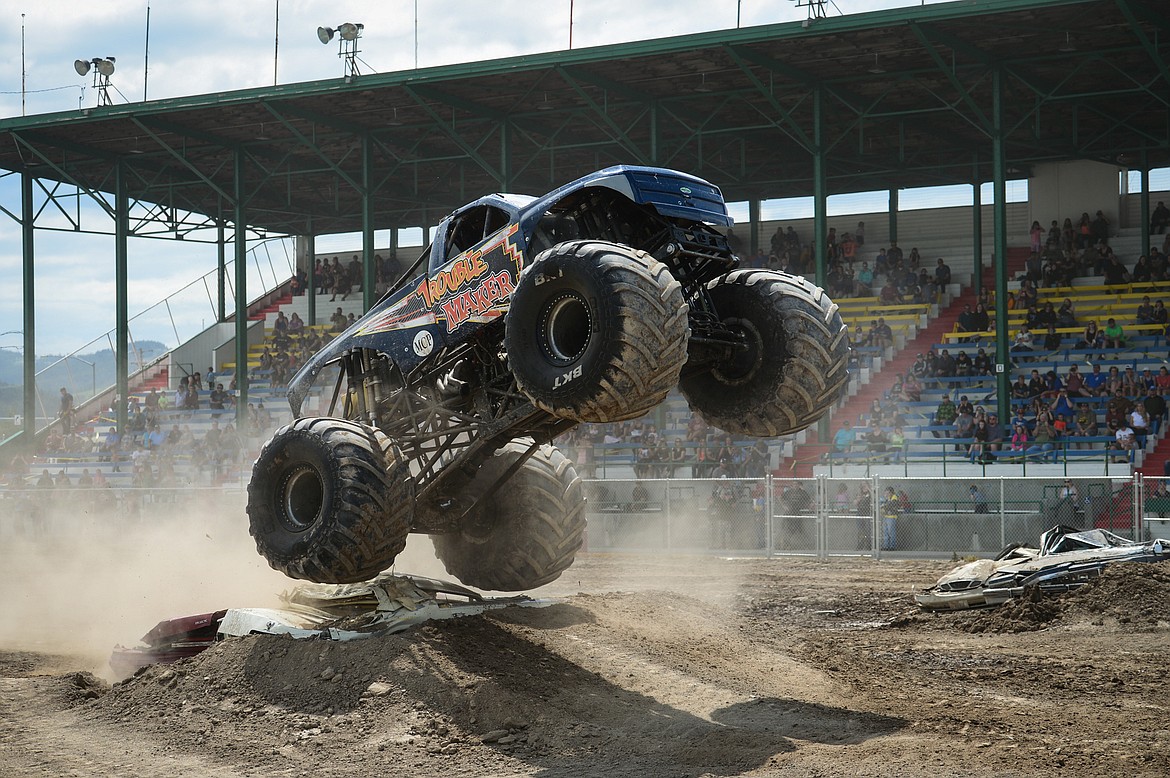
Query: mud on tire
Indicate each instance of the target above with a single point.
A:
(329, 501)
(526, 533)
(796, 366)
(596, 331)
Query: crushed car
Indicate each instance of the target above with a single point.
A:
(386, 605)
(1065, 559)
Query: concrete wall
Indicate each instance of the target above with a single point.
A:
(941, 232)
(1063, 190)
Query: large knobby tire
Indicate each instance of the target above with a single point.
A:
(796, 364)
(330, 501)
(526, 533)
(596, 332)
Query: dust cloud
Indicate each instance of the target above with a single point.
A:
(78, 577)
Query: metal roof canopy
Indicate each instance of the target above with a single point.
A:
(955, 93)
(893, 99)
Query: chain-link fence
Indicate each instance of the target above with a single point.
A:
(879, 516)
(906, 517)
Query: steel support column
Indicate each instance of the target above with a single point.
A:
(977, 233)
(221, 272)
(754, 225)
(311, 273)
(1145, 202)
(121, 300)
(893, 214)
(27, 217)
(241, 246)
(820, 195)
(1003, 362)
(368, 274)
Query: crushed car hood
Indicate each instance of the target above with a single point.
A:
(1065, 559)
(386, 605)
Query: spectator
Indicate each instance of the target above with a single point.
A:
(1139, 423)
(876, 439)
(979, 451)
(942, 275)
(1020, 389)
(1036, 233)
(845, 438)
(1155, 408)
(1052, 339)
(891, 508)
(1124, 440)
(946, 366)
(945, 415)
(1115, 272)
(864, 286)
(897, 444)
(1099, 229)
(1023, 339)
(1162, 381)
(994, 435)
(912, 389)
(978, 501)
(65, 410)
(1086, 424)
(1159, 219)
(1043, 442)
(1074, 383)
(1096, 382)
(982, 364)
(1114, 334)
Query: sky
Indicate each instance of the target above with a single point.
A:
(221, 45)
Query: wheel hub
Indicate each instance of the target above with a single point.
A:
(744, 362)
(302, 497)
(565, 328)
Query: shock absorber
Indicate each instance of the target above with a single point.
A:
(371, 386)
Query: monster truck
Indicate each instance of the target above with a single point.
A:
(523, 318)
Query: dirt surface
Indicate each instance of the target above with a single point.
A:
(647, 667)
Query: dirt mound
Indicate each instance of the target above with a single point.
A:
(1034, 610)
(1133, 596)
(1127, 597)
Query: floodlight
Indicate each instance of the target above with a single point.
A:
(325, 34)
(81, 66)
(105, 66)
(350, 31)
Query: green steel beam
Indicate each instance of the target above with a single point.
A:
(820, 196)
(311, 272)
(367, 225)
(1003, 361)
(27, 235)
(241, 246)
(606, 120)
(121, 301)
(221, 273)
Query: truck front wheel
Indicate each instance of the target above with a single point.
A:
(330, 501)
(596, 331)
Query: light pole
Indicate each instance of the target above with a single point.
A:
(102, 70)
(347, 36)
(93, 376)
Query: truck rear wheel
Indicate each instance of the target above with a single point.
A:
(796, 364)
(596, 331)
(330, 501)
(525, 534)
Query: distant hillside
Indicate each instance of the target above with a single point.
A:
(76, 373)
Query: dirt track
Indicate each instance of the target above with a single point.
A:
(649, 667)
